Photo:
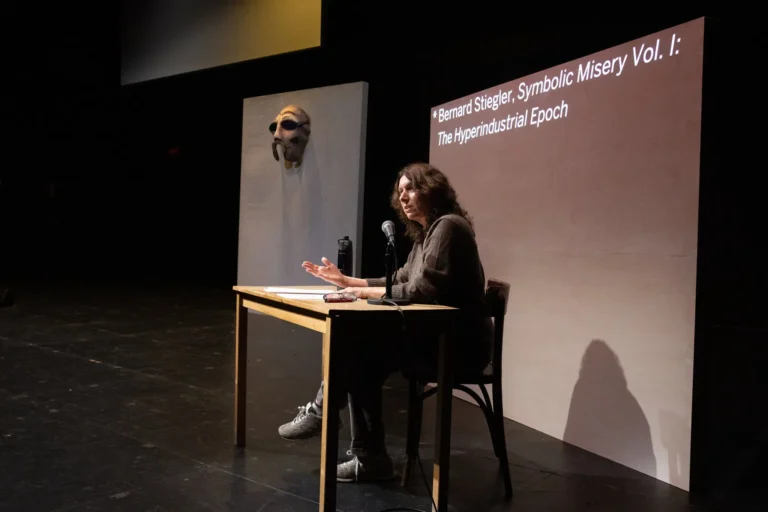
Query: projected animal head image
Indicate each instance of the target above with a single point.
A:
(291, 129)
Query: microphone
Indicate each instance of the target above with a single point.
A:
(390, 261)
(388, 227)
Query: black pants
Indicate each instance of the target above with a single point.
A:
(368, 364)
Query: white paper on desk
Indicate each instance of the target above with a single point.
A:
(309, 291)
(302, 296)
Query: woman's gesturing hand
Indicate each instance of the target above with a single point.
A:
(329, 273)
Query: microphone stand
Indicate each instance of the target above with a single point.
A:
(389, 263)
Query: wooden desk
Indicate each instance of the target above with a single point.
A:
(339, 322)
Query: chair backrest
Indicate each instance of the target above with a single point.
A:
(496, 299)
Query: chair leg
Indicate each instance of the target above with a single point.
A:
(500, 439)
(413, 435)
(490, 418)
(503, 460)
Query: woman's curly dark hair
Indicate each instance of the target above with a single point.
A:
(435, 193)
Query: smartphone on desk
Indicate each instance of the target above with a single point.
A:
(339, 297)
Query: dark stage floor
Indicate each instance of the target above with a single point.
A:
(118, 399)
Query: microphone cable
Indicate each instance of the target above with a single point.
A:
(429, 491)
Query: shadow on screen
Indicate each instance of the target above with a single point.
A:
(604, 417)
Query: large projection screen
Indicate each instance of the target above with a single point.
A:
(583, 182)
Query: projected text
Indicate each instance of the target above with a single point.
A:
(525, 93)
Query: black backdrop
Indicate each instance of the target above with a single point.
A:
(141, 183)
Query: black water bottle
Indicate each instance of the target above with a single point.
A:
(344, 260)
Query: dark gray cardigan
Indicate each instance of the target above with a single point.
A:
(446, 269)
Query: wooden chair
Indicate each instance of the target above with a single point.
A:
(496, 297)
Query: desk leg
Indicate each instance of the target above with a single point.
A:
(330, 437)
(443, 426)
(241, 368)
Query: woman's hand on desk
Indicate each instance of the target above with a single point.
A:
(365, 292)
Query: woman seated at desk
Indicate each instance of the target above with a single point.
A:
(443, 268)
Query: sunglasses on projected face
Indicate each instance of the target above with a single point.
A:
(285, 124)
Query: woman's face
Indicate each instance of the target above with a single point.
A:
(410, 201)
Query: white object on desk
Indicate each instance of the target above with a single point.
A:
(302, 296)
(308, 291)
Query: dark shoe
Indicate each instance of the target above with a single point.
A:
(367, 469)
(305, 425)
